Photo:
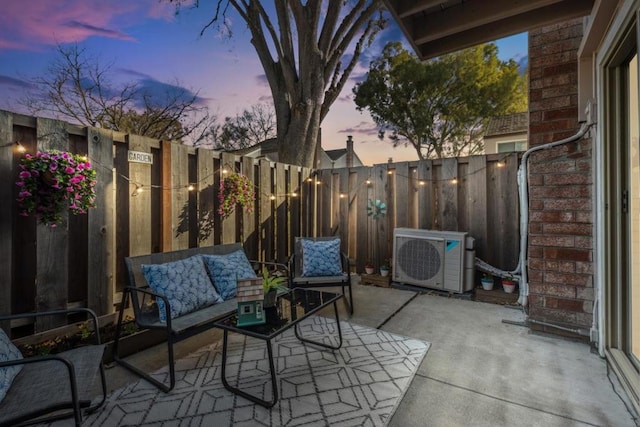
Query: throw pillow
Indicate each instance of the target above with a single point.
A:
(321, 258)
(225, 270)
(8, 351)
(184, 282)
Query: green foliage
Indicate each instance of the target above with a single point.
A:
(272, 283)
(440, 106)
(235, 189)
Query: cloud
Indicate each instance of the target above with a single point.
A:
(160, 91)
(13, 82)
(43, 23)
(105, 32)
(262, 80)
(362, 128)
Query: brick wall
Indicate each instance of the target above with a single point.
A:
(560, 186)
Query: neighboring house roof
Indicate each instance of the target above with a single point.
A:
(265, 147)
(507, 124)
(269, 149)
(336, 154)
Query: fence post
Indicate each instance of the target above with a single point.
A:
(6, 214)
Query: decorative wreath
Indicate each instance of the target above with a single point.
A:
(376, 209)
(53, 181)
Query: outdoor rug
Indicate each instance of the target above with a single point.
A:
(361, 384)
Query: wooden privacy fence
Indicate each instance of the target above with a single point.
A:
(476, 194)
(171, 203)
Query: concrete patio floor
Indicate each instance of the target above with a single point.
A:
(479, 371)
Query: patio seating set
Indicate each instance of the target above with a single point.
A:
(181, 293)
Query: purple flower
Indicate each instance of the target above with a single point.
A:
(24, 193)
(53, 166)
(69, 170)
(24, 174)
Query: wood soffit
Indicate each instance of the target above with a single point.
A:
(436, 27)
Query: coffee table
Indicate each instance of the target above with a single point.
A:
(291, 308)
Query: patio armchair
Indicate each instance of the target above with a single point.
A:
(50, 387)
(319, 262)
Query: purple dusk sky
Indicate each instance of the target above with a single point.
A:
(145, 41)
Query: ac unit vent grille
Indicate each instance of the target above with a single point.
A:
(419, 259)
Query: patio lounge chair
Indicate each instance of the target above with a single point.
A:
(319, 262)
(54, 386)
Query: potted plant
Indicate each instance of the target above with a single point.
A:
(235, 189)
(508, 284)
(384, 268)
(54, 181)
(487, 281)
(368, 268)
(271, 285)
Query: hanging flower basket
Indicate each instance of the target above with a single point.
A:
(235, 189)
(53, 181)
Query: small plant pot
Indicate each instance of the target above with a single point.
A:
(368, 270)
(509, 286)
(270, 298)
(384, 272)
(487, 284)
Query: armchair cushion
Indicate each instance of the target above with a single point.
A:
(321, 257)
(225, 270)
(8, 351)
(185, 283)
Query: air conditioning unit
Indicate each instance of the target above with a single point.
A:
(433, 259)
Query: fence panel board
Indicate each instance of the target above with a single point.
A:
(52, 256)
(140, 202)
(477, 203)
(295, 206)
(267, 225)
(449, 194)
(206, 196)
(229, 223)
(101, 227)
(249, 234)
(425, 195)
(401, 200)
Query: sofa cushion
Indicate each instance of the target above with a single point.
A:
(8, 351)
(184, 282)
(321, 257)
(225, 270)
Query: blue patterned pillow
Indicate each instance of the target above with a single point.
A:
(8, 351)
(225, 270)
(321, 258)
(185, 283)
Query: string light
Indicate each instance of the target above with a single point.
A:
(191, 187)
(19, 147)
(318, 182)
(309, 179)
(137, 190)
(390, 173)
(500, 164)
(294, 194)
(342, 195)
(422, 183)
(454, 181)
(368, 182)
(225, 171)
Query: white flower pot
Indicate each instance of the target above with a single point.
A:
(487, 284)
(508, 286)
(368, 270)
(384, 272)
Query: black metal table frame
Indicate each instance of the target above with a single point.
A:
(267, 339)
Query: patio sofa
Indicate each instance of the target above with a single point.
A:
(193, 308)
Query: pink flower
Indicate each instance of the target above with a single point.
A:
(24, 193)
(24, 174)
(69, 170)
